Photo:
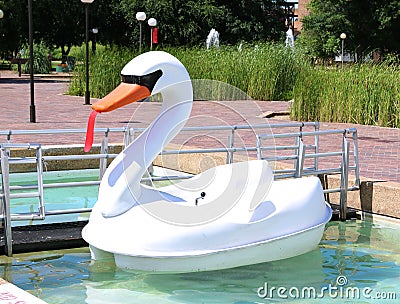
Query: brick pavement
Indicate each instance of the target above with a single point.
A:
(379, 148)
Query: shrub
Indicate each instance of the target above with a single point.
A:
(41, 62)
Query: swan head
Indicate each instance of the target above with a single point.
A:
(145, 75)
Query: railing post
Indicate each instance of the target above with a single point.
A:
(9, 136)
(355, 155)
(103, 150)
(316, 143)
(39, 166)
(301, 151)
(126, 136)
(344, 179)
(258, 146)
(231, 137)
(5, 182)
(129, 136)
(148, 174)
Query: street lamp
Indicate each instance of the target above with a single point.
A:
(140, 16)
(32, 112)
(87, 93)
(95, 31)
(152, 23)
(1, 17)
(343, 37)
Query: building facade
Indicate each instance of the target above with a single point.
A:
(301, 12)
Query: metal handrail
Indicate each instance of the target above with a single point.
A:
(9, 133)
(129, 134)
(300, 154)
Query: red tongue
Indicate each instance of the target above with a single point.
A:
(90, 131)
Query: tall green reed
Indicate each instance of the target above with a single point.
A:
(362, 93)
(266, 72)
(104, 70)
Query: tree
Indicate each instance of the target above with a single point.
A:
(188, 22)
(369, 25)
(181, 22)
(11, 26)
(253, 20)
(61, 25)
(323, 26)
(389, 24)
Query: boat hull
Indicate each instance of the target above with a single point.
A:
(258, 220)
(278, 248)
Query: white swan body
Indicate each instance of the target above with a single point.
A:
(244, 218)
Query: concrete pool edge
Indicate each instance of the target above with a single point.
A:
(9, 292)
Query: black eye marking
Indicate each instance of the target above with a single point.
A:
(148, 80)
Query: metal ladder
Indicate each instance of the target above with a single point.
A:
(6, 188)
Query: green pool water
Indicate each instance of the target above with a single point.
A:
(55, 198)
(356, 262)
(60, 198)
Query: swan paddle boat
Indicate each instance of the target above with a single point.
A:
(228, 216)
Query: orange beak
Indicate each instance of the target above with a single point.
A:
(122, 95)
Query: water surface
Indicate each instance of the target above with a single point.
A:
(356, 262)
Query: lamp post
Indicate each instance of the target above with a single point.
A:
(95, 31)
(1, 17)
(32, 115)
(343, 37)
(152, 23)
(1, 14)
(140, 16)
(87, 93)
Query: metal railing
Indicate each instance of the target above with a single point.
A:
(300, 153)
